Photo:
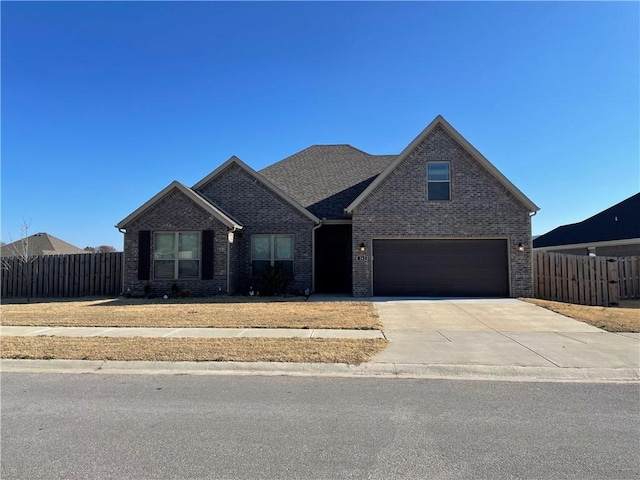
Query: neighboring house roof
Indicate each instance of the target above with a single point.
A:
(193, 196)
(262, 179)
(39, 244)
(620, 222)
(326, 178)
(440, 121)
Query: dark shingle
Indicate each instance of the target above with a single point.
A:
(325, 179)
(622, 221)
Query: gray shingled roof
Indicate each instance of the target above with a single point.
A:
(40, 244)
(325, 179)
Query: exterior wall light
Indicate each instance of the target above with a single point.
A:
(363, 247)
(521, 247)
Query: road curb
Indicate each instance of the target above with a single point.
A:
(368, 370)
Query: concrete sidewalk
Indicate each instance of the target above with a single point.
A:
(483, 339)
(186, 332)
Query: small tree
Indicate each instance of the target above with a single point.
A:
(22, 253)
(101, 249)
(105, 249)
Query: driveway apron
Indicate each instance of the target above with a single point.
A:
(496, 332)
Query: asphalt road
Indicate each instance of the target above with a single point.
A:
(58, 426)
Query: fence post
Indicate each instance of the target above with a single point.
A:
(614, 281)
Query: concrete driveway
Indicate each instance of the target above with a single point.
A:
(496, 332)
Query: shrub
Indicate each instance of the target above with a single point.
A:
(272, 282)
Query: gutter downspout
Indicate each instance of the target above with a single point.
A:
(123, 231)
(531, 215)
(313, 256)
(234, 229)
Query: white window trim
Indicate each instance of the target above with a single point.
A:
(272, 241)
(176, 259)
(439, 181)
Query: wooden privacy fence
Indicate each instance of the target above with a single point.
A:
(585, 280)
(72, 275)
(629, 277)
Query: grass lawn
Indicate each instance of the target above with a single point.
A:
(625, 318)
(308, 350)
(226, 312)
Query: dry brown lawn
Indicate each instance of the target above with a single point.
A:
(625, 318)
(192, 313)
(308, 350)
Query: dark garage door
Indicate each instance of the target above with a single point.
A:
(441, 268)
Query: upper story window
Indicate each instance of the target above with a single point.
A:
(438, 181)
(176, 255)
(272, 251)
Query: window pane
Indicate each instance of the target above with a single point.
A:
(163, 268)
(189, 246)
(438, 171)
(164, 246)
(285, 266)
(258, 267)
(284, 247)
(188, 268)
(438, 191)
(260, 247)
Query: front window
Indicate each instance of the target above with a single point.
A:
(272, 251)
(438, 181)
(176, 255)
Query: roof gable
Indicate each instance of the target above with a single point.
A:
(189, 193)
(326, 178)
(39, 244)
(619, 222)
(265, 181)
(488, 166)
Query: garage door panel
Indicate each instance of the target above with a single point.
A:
(440, 267)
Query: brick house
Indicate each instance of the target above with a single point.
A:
(436, 220)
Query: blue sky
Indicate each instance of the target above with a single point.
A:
(105, 103)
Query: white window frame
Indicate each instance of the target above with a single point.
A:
(448, 181)
(272, 250)
(176, 255)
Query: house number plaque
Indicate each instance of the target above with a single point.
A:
(362, 258)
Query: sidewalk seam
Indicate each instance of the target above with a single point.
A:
(507, 336)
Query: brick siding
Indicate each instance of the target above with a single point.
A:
(480, 207)
(260, 211)
(175, 212)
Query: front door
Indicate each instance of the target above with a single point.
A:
(333, 259)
